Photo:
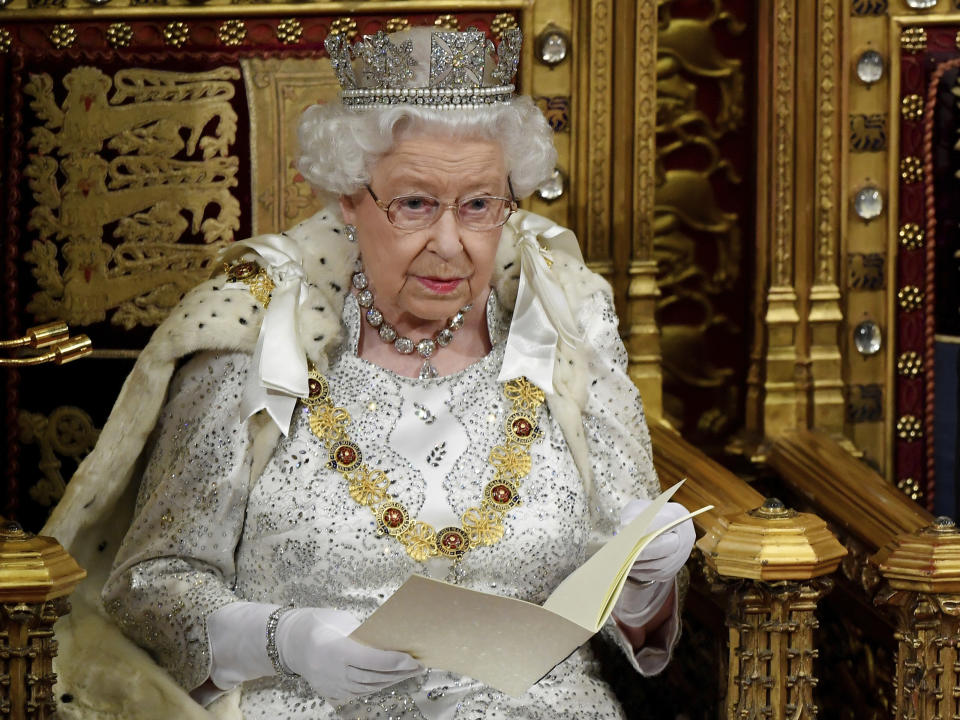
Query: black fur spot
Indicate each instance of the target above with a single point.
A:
(213, 315)
(318, 338)
(318, 308)
(200, 325)
(337, 230)
(228, 299)
(323, 261)
(243, 321)
(66, 698)
(102, 546)
(336, 288)
(216, 287)
(508, 265)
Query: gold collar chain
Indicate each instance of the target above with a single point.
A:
(481, 524)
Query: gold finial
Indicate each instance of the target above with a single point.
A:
(771, 542)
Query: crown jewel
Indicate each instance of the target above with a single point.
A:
(425, 66)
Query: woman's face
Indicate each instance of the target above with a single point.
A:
(428, 274)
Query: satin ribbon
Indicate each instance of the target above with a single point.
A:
(279, 358)
(542, 317)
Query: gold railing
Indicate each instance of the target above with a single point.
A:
(36, 576)
(905, 561)
(770, 565)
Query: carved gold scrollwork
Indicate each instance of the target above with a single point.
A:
(148, 120)
(690, 224)
(68, 432)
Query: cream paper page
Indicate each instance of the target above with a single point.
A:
(506, 643)
(588, 594)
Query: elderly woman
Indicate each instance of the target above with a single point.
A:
(420, 379)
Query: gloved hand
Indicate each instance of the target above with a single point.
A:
(650, 581)
(666, 554)
(311, 642)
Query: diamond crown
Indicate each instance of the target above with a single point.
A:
(426, 66)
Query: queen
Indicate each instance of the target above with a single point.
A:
(421, 378)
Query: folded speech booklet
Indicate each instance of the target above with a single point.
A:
(506, 643)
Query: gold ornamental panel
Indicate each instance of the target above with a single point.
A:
(147, 152)
(278, 91)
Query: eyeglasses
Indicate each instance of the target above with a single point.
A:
(478, 213)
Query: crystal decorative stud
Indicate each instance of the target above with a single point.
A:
(403, 345)
(870, 67)
(868, 203)
(552, 188)
(921, 4)
(553, 46)
(867, 338)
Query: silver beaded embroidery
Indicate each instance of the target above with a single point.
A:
(203, 536)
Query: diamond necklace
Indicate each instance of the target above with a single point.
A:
(404, 345)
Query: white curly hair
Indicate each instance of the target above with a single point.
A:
(340, 146)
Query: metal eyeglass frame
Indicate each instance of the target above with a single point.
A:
(446, 206)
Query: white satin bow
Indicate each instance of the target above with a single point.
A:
(279, 358)
(542, 316)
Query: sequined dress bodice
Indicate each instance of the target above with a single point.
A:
(294, 534)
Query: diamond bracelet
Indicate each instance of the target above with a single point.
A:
(272, 652)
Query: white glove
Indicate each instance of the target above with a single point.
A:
(666, 554)
(311, 642)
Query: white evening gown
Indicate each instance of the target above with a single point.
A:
(201, 538)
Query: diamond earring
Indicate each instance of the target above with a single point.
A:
(351, 232)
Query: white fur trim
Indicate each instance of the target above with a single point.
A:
(108, 675)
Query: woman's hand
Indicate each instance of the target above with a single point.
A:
(666, 554)
(641, 608)
(313, 643)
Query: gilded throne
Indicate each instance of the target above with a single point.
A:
(771, 206)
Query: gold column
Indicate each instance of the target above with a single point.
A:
(825, 315)
(921, 573)
(770, 563)
(643, 336)
(784, 385)
(36, 576)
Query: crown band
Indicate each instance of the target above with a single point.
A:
(442, 98)
(425, 66)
